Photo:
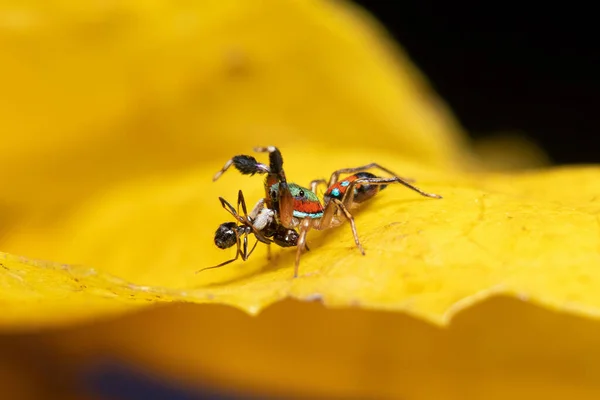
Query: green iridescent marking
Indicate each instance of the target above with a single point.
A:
(297, 191)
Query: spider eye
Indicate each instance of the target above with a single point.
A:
(273, 195)
(301, 193)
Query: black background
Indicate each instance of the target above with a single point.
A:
(517, 67)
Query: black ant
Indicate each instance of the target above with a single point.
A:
(261, 222)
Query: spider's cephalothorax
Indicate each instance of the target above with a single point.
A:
(299, 207)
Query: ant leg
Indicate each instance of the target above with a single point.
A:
(245, 252)
(220, 265)
(304, 228)
(242, 202)
(268, 253)
(246, 165)
(245, 219)
(350, 218)
(247, 255)
(237, 255)
(315, 184)
(336, 174)
(232, 210)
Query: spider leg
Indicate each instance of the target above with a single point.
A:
(327, 220)
(350, 218)
(260, 204)
(348, 198)
(336, 174)
(263, 217)
(286, 206)
(315, 184)
(275, 161)
(246, 165)
(304, 228)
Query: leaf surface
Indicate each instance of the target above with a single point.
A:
(489, 235)
(114, 118)
(124, 190)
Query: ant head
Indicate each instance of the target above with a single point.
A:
(226, 235)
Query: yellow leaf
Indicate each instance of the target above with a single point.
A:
(490, 234)
(114, 119)
(113, 172)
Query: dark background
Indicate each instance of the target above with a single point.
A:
(508, 67)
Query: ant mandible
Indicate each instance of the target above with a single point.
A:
(299, 207)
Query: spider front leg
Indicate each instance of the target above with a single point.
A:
(275, 162)
(246, 165)
(336, 174)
